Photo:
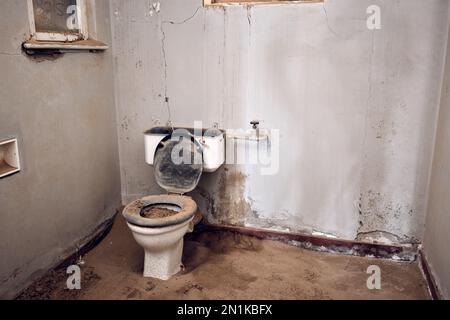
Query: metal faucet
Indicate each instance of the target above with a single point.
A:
(255, 126)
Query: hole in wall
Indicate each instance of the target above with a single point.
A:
(9, 157)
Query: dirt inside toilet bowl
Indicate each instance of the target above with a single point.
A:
(153, 212)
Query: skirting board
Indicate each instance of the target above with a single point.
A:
(84, 246)
(88, 243)
(354, 248)
(428, 274)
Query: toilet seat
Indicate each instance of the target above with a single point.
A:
(132, 212)
(174, 178)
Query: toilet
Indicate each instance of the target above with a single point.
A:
(179, 157)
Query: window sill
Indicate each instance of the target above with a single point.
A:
(89, 45)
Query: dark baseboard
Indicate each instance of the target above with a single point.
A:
(431, 282)
(84, 246)
(88, 243)
(354, 248)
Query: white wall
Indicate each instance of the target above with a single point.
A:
(437, 230)
(356, 108)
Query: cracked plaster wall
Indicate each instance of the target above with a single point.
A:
(356, 108)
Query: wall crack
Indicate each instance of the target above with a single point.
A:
(328, 23)
(164, 56)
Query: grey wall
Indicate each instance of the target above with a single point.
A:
(63, 114)
(437, 230)
(356, 108)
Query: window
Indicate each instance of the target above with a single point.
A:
(58, 20)
(62, 26)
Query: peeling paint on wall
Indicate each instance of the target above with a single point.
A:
(378, 214)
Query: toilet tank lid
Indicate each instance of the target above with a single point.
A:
(168, 130)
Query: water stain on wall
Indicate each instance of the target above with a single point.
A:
(225, 202)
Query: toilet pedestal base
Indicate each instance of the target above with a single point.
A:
(163, 248)
(163, 264)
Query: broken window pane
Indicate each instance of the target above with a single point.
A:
(58, 16)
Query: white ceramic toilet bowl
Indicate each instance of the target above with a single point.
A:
(163, 248)
(161, 238)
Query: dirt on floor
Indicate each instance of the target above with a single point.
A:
(53, 286)
(230, 266)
